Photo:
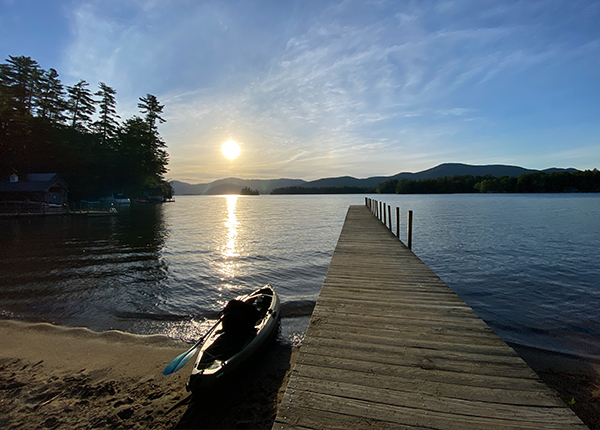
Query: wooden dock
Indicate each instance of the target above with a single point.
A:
(390, 346)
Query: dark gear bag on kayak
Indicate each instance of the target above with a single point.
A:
(239, 318)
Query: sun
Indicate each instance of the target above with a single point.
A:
(230, 149)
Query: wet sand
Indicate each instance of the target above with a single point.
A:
(55, 377)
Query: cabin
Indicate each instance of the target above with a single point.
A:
(42, 190)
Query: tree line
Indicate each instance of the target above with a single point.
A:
(323, 190)
(47, 127)
(587, 181)
(537, 182)
(247, 191)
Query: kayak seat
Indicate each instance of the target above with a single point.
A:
(263, 303)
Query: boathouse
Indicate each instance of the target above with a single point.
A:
(38, 189)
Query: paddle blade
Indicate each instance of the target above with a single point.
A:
(179, 361)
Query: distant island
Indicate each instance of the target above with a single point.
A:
(443, 179)
(247, 191)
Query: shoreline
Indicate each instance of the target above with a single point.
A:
(59, 377)
(575, 379)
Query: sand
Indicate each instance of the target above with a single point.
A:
(576, 381)
(72, 378)
(55, 377)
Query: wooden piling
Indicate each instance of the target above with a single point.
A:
(409, 230)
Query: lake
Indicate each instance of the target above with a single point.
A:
(529, 265)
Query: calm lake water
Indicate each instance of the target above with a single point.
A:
(528, 264)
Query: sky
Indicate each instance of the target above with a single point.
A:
(314, 89)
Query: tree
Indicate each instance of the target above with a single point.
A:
(51, 103)
(19, 81)
(152, 109)
(34, 109)
(6, 105)
(21, 76)
(142, 154)
(107, 124)
(387, 187)
(156, 159)
(81, 106)
(247, 191)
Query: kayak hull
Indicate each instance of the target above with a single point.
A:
(223, 351)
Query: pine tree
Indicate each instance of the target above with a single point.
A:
(19, 80)
(81, 106)
(51, 103)
(157, 157)
(21, 76)
(152, 109)
(94, 158)
(107, 125)
(6, 107)
(143, 152)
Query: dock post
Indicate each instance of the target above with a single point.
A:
(398, 222)
(379, 211)
(384, 219)
(409, 230)
(390, 216)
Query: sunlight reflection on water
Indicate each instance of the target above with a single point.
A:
(527, 264)
(229, 249)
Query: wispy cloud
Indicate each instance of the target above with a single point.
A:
(351, 87)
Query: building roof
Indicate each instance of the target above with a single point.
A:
(36, 182)
(41, 177)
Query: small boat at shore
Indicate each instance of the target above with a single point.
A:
(246, 324)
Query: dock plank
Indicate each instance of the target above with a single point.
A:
(390, 345)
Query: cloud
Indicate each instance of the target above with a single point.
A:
(95, 46)
(314, 87)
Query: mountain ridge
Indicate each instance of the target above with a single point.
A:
(265, 186)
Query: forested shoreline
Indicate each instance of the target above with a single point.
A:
(46, 127)
(538, 182)
(587, 181)
(323, 190)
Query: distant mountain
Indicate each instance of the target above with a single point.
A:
(443, 170)
(234, 186)
(454, 169)
(265, 186)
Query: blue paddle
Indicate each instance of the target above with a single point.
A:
(181, 359)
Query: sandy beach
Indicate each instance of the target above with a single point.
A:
(55, 377)
(576, 381)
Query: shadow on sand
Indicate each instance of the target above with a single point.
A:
(247, 399)
(576, 381)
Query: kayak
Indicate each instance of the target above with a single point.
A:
(246, 323)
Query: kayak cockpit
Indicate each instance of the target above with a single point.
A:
(246, 323)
